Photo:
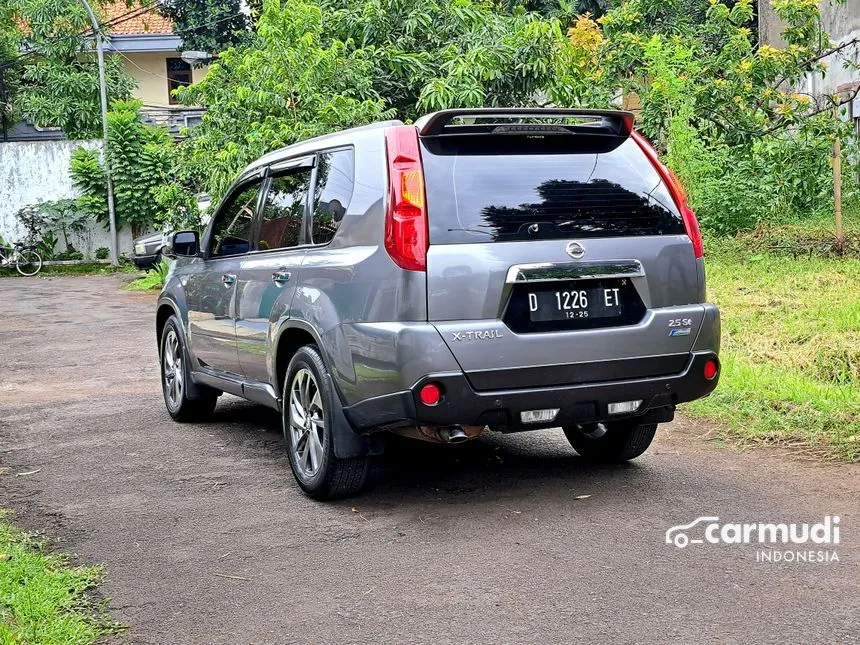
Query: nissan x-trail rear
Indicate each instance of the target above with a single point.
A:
(510, 269)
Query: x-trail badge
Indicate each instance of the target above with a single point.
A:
(575, 250)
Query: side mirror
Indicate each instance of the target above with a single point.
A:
(182, 244)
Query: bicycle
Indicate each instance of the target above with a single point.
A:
(24, 258)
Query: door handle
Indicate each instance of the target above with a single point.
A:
(281, 276)
(228, 279)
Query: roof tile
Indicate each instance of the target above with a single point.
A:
(140, 18)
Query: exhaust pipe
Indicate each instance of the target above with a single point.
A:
(454, 435)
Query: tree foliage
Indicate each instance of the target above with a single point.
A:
(722, 107)
(460, 53)
(206, 25)
(53, 79)
(284, 87)
(140, 162)
(317, 66)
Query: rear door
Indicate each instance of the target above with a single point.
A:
(270, 274)
(556, 259)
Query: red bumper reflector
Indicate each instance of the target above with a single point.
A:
(430, 394)
(711, 369)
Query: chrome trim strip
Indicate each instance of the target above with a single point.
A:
(560, 271)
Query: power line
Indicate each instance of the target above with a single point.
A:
(136, 12)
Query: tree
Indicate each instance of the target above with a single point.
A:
(206, 25)
(746, 145)
(320, 65)
(140, 161)
(52, 80)
(445, 53)
(283, 87)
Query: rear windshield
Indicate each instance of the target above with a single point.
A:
(480, 195)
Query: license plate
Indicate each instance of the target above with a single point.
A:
(572, 302)
(577, 304)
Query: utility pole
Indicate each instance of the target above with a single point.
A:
(114, 257)
(3, 103)
(837, 185)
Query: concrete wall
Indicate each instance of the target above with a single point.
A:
(38, 171)
(842, 22)
(149, 69)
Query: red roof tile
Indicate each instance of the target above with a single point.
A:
(138, 19)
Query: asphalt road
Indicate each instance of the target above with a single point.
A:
(206, 539)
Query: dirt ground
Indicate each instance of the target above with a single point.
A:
(206, 539)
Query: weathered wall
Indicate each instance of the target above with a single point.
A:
(38, 171)
(842, 22)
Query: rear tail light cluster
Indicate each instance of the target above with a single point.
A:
(406, 217)
(677, 191)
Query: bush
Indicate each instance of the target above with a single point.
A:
(68, 255)
(140, 161)
(45, 221)
(102, 253)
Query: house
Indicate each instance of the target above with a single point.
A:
(151, 55)
(842, 22)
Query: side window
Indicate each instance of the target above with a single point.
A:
(231, 232)
(284, 210)
(335, 181)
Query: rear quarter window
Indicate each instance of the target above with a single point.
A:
(481, 194)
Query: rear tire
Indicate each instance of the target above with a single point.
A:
(307, 418)
(175, 377)
(613, 442)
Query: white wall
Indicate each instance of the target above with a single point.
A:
(38, 171)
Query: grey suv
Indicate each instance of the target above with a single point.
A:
(505, 268)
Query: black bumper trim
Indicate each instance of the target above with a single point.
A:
(578, 373)
(583, 403)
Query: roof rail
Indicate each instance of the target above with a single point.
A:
(614, 123)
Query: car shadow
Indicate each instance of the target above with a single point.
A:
(539, 462)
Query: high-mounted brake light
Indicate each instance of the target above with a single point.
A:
(406, 216)
(677, 191)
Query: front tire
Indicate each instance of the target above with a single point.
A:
(613, 442)
(29, 263)
(176, 376)
(308, 415)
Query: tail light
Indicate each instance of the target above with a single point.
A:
(406, 218)
(677, 191)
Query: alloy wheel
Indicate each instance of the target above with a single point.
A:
(174, 375)
(307, 423)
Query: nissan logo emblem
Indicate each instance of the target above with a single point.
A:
(575, 250)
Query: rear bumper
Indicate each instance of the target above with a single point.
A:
(581, 403)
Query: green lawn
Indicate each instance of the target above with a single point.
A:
(791, 349)
(43, 599)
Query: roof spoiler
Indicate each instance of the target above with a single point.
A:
(499, 121)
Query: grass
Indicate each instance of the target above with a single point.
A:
(791, 348)
(42, 598)
(153, 280)
(146, 283)
(74, 269)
